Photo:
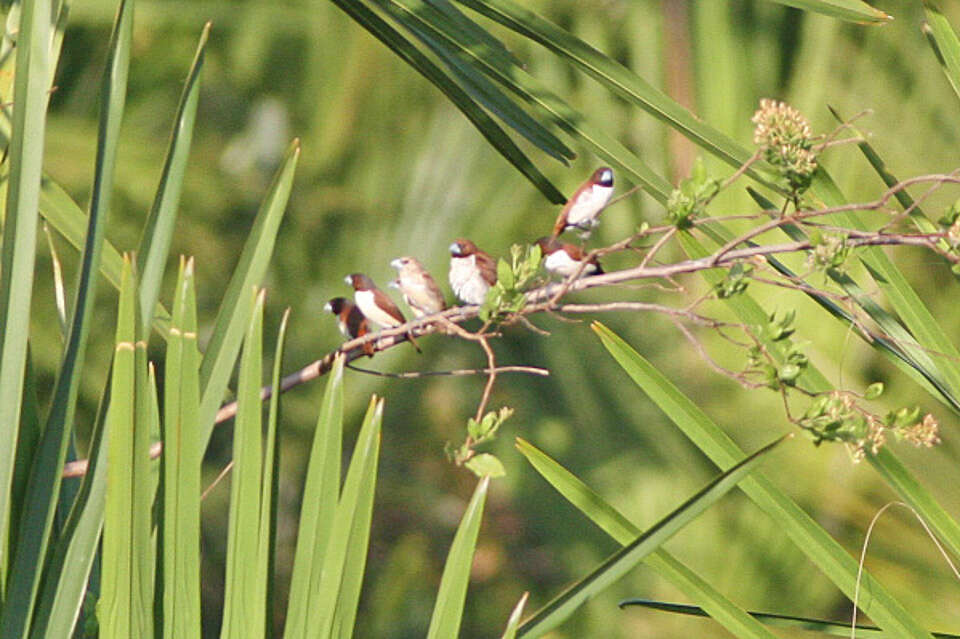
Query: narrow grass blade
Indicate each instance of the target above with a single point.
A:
(158, 230)
(448, 609)
(234, 313)
(27, 440)
(943, 40)
(621, 562)
(832, 559)
(514, 621)
(181, 466)
(781, 621)
(244, 525)
(266, 552)
(18, 248)
(477, 116)
(359, 482)
(736, 620)
(45, 480)
(126, 599)
(615, 77)
(320, 495)
(423, 22)
(849, 10)
(60, 295)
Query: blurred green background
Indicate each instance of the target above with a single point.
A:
(390, 168)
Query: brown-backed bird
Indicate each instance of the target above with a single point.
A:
(583, 209)
(564, 259)
(472, 272)
(350, 320)
(418, 288)
(376, 305)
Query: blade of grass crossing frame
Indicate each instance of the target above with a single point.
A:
(943, 40)
(417, 18)
(621, 562)
(59, 291)
(321, 492)
(514, 621)
(181, 466)
(268, 495)
(234, 313)
(126, 600)
(736, 620)
(781, 621)
(45, 480)
(832, 559)
(363, 464)
(18, 248)
(460, 98)
(448, 609)
(244, 524)
(849, 10)
(27, 440)
(158, 230)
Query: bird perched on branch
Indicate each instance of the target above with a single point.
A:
(376, 305)
(418, 288)
(564, 259)
(583, 209)
(350, 320)
(472, 272)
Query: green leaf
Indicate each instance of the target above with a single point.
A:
(850, 10)
(873, 391)
(158, 230)
(338, 576)
(126, 600)
(486, 465)
(59, 291)
(840, 629)
(505, 275)
(232, 318)
(477, 116)
(448, 609)
(320, 494)
(243, 532)
(18, 249)
(943, 40)
(181, 465)
(621, 562)
(832, 559)
(737, 621)
(514, 621)
(46, 477)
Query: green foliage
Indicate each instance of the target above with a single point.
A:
(506, 296)
(688, 202)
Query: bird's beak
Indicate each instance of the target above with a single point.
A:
(394, 283)
(348, 280)
(397, 264)
(327, 307)
(455, 249)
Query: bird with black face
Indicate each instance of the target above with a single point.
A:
(560, 258)
(582, 211)
(472, 272)
(376, 305)
(350, 320)
(419, 289)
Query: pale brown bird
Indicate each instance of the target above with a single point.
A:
(472, 272)
(582, 210)
(418, 287)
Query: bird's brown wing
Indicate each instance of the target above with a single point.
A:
(387, 305)
(487, 267)
(432, 290)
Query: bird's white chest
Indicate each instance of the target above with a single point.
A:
(588, 205)
(466, 281)
(560, 263)
(367, 304)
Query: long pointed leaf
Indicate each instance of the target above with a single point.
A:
(621, 562)
(736, 620)
(224, 345)
(448, 609)
(945, 43)
(850, 10)
(18, 249)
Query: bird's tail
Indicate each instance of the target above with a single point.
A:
(414, 343)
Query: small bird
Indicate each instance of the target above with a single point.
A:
(564, 259)
(418, 288)
(376, 305)
(582, 211)
(350, 320)
(472, 272)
